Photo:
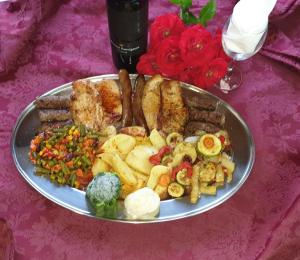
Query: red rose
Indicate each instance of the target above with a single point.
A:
(163, 27)
(168, 57)
(195, 46)
(190, 74)
(211, 73)
(147, 64)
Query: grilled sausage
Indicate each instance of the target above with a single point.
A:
(53, 102)
(137, 102)
(201, 103)
(126, 98)
(213, 117)
(47, 115)
(194, 126)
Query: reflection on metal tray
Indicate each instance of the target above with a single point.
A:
(73, 199)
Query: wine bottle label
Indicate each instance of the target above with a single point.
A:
(124, 48)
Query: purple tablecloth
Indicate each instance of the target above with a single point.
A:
(45, 45)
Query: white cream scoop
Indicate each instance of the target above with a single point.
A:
(142, 204)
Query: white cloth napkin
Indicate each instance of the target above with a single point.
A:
(247, 25)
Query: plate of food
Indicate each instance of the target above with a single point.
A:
(133, 148)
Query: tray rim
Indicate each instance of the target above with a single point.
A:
(60, 88)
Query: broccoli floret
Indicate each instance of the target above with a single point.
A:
(103, 193)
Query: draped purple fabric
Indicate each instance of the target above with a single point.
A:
(44, 44)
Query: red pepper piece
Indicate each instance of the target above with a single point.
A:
(156, 158)
(222, 139)
(184, 165)
(164, 150)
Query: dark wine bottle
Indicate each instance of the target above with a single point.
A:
(128, 29)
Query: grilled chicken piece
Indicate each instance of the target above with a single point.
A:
(111, 101)
(174, 114)
(151, 101)
(86, 106)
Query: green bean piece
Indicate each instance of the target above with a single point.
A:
(59, 130)
(82, 130)
(42, 170)
(64, 168)
(93, 136)
(51, 163)
(72, 179)
(86, 160)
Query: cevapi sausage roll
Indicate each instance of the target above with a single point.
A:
(47, 115)
(126, 89)
(201, 103)
(194, 126)
(53, 102)
(213, 117)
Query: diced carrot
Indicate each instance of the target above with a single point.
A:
(79, 173)
(164, 180)
(88, 142)
(70, 164)
(56, 168)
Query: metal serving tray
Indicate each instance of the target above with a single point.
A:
(73, 199)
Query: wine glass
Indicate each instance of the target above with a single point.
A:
(238, 46)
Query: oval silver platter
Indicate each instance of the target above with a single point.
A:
(73, 199)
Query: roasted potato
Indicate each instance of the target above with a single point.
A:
(125, 173)
(156, 172)
(126, 190)
(138, 158)
(162, 191)
(156, 139)
(121, 144)
(100, 166)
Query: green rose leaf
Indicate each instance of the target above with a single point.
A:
(188, 17)
(176, 2)
(207, 12)
(184, 4)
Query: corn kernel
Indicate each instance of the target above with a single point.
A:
(55, 152)
(49, 146)
(76, 132)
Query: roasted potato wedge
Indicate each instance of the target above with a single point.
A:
(156, 172)
(100, 166)
(121, 144)
(138, 158)
(125, 173)
(156, 139)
